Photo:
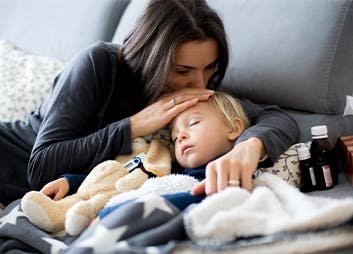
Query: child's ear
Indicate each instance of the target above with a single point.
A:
(237, 129)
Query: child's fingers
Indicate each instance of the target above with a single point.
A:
(59, 195)
(47, 190)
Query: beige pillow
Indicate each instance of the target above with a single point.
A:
(286, 166)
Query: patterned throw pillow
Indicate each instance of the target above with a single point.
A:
(25, 80)
(286, 166)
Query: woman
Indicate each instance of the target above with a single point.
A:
(109, 94)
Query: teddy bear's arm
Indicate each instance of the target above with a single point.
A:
(131, 181)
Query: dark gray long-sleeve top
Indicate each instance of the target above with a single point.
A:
(85, 120)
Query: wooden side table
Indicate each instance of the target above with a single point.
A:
(346, 151)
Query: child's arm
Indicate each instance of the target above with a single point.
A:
(56, 189)
(59, 188)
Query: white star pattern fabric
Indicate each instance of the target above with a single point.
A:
(120, 230)
(157, 201)
(11, 218)
(102, 238)
(153, 225)
(56, 246)
(114, 233)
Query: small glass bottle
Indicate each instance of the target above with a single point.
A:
(307, 175)
(320, 149)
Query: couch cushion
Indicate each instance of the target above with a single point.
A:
(25, 80)
(297, 54)
(337, 125)
(58, 28)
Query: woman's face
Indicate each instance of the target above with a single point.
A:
(195, 63)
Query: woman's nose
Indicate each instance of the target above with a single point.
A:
(199, 80)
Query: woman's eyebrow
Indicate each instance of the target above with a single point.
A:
(192, 67)
(185, 66)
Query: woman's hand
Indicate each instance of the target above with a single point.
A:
(236, 166)
(161, 112)
(56, 189)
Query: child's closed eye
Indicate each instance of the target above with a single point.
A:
(193, 122)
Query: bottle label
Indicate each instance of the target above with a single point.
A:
(327, 175)
(312, 176)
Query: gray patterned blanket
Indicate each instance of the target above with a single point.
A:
(240, 222)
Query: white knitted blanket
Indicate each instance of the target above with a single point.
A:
(274, 206)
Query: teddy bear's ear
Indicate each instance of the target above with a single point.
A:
(158, 159)
(139, 145)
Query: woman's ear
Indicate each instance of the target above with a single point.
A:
(237, 129)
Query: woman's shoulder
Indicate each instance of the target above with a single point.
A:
(102, 46)
(98, 53)
(103, 49)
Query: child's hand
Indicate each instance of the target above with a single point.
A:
(56, 189)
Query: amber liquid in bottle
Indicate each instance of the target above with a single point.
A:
(320, 149)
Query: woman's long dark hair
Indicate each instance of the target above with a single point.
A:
(150, 48)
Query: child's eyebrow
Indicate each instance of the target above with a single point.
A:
(192, 114)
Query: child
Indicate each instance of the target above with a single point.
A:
(200, 134)
(206, 131)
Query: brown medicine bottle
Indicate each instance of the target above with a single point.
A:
(320, 150)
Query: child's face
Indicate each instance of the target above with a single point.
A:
(200, 135)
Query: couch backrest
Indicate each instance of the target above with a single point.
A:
(58, 28)
(128, 20)
(297, 53)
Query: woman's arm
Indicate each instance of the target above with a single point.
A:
(272, 131)
(73, 136)
(275, 128)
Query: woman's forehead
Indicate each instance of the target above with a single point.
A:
(196, 53)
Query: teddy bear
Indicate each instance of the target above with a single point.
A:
(75, 212)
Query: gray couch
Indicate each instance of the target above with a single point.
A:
(297, 54)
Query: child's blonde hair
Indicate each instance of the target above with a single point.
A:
(229, 107)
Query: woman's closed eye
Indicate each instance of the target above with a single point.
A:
(182, 71)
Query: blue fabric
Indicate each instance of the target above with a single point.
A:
(183, 199)
(74, 182)
(107, 210)
(198, 173)
(180, 200)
